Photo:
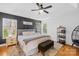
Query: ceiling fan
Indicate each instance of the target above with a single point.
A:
(42, 8)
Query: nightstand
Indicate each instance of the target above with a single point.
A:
(11, 40)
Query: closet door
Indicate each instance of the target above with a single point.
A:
(9, 30)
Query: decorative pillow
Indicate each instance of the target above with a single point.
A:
(27, 33)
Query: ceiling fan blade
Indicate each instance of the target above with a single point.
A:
(38, 4)
(46, 11)
(36, 9)
(47, 7)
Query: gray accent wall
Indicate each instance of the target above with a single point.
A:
(0, 27)
(20, 20)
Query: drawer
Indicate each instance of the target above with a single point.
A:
(11, 42)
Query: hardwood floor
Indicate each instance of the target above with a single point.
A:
(66, 50)
(3, 51)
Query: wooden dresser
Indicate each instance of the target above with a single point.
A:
(11, 40)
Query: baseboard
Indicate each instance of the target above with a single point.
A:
(2, 45)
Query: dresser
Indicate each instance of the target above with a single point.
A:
(11, 40)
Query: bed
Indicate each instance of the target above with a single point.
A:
(29, 43)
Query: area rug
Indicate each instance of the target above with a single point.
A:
(17, 51)
(52, 51)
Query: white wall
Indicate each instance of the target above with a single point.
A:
(69, 19)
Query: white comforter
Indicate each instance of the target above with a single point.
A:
(31, 47)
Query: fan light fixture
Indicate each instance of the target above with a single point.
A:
(40, 11)
(41, 8)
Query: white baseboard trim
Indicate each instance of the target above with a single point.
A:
(2, 45)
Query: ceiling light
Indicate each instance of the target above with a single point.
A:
(40, 11)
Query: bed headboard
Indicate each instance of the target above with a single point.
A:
(20, 31)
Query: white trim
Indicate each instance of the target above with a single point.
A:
(2, 44)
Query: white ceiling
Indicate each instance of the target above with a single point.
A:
(24, 9)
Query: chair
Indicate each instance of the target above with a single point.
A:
(75, 36)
